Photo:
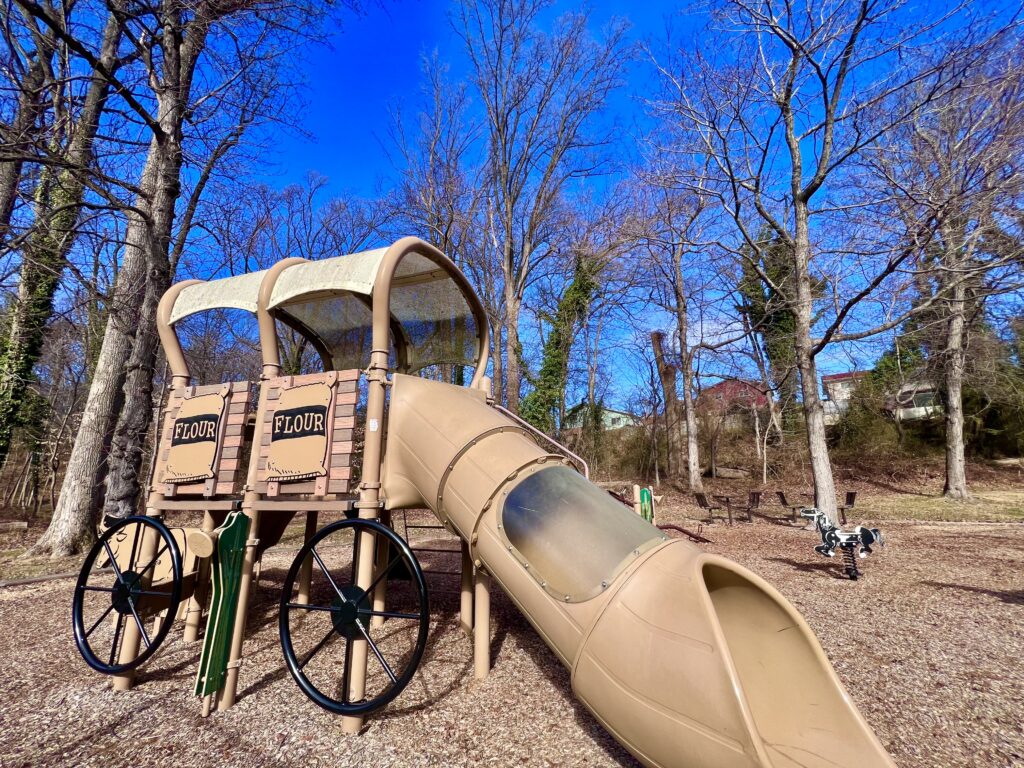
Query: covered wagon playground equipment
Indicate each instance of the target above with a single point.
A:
(684, 657)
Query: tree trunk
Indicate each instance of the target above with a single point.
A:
(58, 205)
(497, 363)
(151, 237)
(814, 413)
(128, 443)
(690, 413)
(686, 359)
(953, 374)
(19, 139)
(513, 352)
(72, 527)
(667, 375)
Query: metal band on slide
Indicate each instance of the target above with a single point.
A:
(465, 449)
(538, 461)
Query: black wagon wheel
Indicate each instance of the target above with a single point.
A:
(317, 638)
(118, 587)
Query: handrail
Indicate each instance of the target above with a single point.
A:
(578, 460)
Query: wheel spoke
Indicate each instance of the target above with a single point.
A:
(388, 614)
(135, 544)
(319, 646)
(346, 677)
(99, 620)
(383, 573)
(117, 636)
(113, 562)
(376, 652)
(153, 561)
(139, 623)
(307, 607)
(327, 573)
(87, 588)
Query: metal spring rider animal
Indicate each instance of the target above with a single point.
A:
(853, 544)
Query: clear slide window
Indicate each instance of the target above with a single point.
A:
(573, 535)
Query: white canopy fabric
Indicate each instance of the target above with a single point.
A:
(355, 272)
(432, 316)
(239, 292)
(332, 298)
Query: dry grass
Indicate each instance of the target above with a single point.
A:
(983, 506)
(875, 505)
(928, 644)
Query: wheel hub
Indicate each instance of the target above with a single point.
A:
(344, 614)
(126, 592)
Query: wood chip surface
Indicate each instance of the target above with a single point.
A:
(929, 644)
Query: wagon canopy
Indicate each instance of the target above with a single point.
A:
(239, 292)
(435, 318)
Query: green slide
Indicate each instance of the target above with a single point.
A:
(227, 576)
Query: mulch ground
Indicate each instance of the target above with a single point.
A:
(929, 644)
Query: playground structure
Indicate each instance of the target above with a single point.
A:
(684, 657)
(854, 545)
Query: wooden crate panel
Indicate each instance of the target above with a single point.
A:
(307, 423)
(201, 438)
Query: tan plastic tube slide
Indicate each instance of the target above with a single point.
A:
(686, 658)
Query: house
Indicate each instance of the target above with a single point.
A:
(729, 403)
(916, 401)
(732, 395)
(839, 389)
(611, 419)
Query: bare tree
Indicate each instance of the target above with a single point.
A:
(782, 109)
(164, 102)
(542, 95)
(671, 239)
(59, 201)
(29, 62)
(957, 165)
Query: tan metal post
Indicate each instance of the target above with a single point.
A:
(306, 572)
(369, 500)
(380, 592)
(466, 596)
(271, 368)
(482, 624)
(194, 614)
(179, 377)
(132, 639)
(369, 487)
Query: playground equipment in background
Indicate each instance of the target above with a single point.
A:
(645, 504)
(644, 501)
(853, 544)
(730, 675)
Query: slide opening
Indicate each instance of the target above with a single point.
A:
(801, 713)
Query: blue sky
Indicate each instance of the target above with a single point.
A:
(373, 61)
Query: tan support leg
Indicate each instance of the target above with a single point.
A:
(380, 592)
(360, 651)
(306, 572)
(482, 625)
(227, 696)
(132, 639)
(194, 613)
(466, 596)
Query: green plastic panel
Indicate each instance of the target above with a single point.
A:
(228, 561)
